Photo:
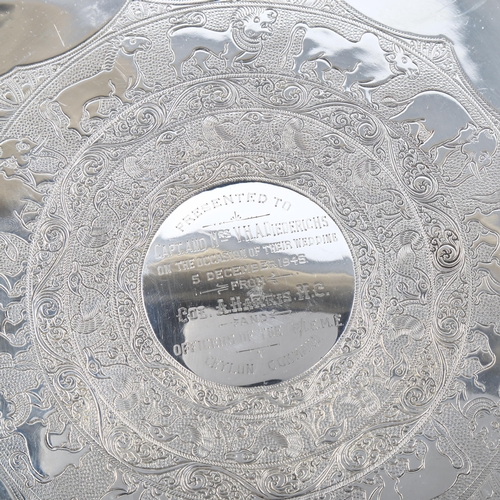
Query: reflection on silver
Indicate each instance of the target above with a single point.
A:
(33, 31)
(248, 284)
(110, 160)
(364, 62)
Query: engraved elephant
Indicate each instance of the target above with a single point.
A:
(450, 126)
(364, 62)
(116, 79)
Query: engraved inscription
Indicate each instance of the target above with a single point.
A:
(248, 284)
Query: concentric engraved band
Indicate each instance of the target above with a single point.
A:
(249, 251)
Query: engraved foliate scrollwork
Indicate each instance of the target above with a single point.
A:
(185, 101)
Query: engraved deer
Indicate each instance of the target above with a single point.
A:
(47, 456)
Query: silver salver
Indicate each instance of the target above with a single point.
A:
(248, 250)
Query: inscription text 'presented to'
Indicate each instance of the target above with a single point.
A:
(248, 284)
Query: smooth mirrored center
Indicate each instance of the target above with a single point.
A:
(248, 284)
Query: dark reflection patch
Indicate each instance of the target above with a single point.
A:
(248, 284)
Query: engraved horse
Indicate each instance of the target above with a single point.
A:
(116, 79)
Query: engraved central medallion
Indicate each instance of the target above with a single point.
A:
(248, 284)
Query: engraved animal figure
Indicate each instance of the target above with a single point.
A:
(47, 456)
(15, 193)
(121, 376)
(6, 347)
(350, 402)
(486, 373)
(12, 316)
(479, 359)
(484, 416)
(217, 132)
(488, 241)
(364, 62)
(90, 303)
(449, 124)
(189, 430)
(407, 274)
(17, 149)
(271, 439)
(120, 490)
(10, 324)
(116, 79)
(240, 42)
(398, 344)
(136, 168)
(295, 137)
(104, 225)
(479, 150)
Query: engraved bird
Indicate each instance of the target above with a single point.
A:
(367, 181)
(332, 434)
(90, 303)
(121, 377)
(295, 137)
(416, 283)
(368, 186)
(189, 430)
(216, 132)
(135, 168)
(271, 439)
(397, 341)
(104, 225)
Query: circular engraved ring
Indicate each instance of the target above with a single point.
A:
(248, 284)
(248, 251)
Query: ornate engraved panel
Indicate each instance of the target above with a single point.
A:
(379, 131)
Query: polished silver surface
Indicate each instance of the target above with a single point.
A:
(114, 159)
(36, 30)
(471, 26)
(248, 284)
